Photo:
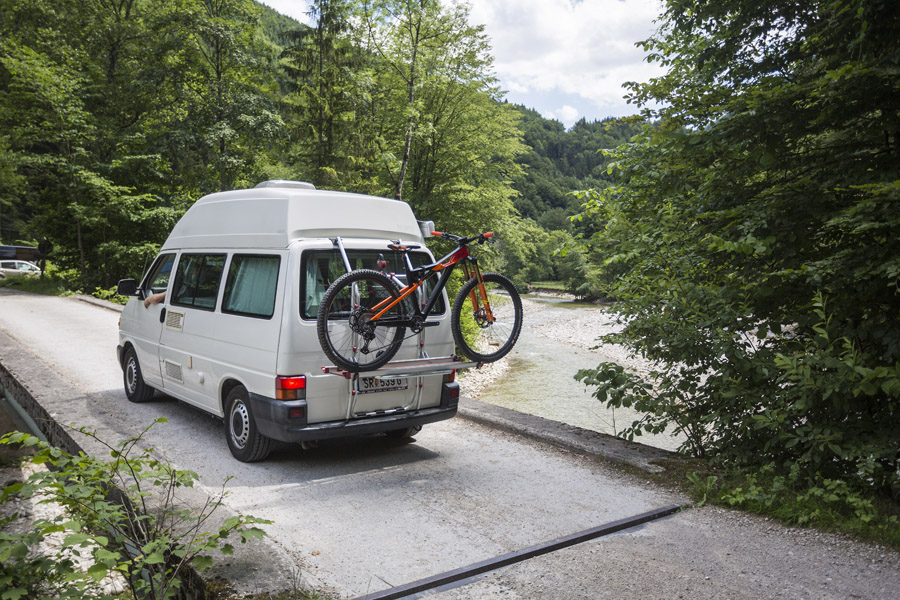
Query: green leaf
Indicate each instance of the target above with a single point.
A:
(14, 594)
(97, 571)
(251, 533)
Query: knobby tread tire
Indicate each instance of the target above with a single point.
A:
(511, 326)
(330, 328)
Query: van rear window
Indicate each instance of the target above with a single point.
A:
(250, 286)
(197, 280)
(321, 267)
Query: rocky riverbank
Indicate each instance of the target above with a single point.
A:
(579, 328)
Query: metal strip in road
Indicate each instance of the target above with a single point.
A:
(402, 591)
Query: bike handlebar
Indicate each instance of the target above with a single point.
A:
(462, 241)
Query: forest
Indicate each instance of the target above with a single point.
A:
(746, 221)
(118, 114)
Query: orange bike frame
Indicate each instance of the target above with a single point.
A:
(447, 263)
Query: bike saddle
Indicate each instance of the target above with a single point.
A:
(397, 246)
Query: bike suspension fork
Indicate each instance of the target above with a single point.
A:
(478, 295)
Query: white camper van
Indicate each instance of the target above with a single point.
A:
(225, 319)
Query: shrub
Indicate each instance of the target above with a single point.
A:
(121, 513)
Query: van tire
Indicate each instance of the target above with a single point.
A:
(136, 389)
(245, 441)
(402, 434)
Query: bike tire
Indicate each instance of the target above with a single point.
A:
(343, 321)
(494, 339)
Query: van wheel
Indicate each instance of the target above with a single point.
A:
(245, 441)
(400, 434)
(136, 389)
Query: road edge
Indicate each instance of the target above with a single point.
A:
(43, 395)
(568, 437)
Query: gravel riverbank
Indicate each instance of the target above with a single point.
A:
(579, 328)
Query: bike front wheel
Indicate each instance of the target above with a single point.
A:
(486, 321)
(347, 333)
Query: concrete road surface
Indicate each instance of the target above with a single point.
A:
(360, 515)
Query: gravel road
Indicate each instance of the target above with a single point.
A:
(360, 515)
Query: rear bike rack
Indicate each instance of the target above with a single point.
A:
(419, 367)
(412, 369)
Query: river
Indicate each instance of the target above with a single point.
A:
(538, 377)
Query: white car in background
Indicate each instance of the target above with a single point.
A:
(11, 268)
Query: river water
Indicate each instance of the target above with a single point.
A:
(555, 343)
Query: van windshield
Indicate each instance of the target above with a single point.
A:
(321, 267)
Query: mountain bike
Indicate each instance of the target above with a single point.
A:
(365, 313)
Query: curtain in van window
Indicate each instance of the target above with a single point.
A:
(251, 284)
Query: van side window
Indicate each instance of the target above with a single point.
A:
(197, 280)
(321, 267)
(158, 279)
(250, 286)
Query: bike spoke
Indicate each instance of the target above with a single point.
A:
(349, 332)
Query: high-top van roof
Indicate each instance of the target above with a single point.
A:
(275, 213)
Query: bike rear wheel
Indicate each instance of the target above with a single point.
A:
(347, 334)
(495, 331)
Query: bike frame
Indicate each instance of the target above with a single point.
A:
(416, 276)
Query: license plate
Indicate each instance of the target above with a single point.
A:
(369, 385)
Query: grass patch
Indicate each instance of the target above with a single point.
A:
(825, 505)
(221, 589)
(557, 286)
(829, 508)
(54, 283)
(46, 285)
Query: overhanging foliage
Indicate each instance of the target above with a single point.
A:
(757, 220)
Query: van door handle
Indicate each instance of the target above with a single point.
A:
(162, 316)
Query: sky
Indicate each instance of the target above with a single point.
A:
(567, 59)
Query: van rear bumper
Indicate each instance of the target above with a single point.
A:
(271, 417)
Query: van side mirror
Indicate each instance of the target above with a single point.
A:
(126, 287)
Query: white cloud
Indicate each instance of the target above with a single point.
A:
(566, 114)
(559, 55)
(581, 48)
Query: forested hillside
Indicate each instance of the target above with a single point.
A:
(117, 116)
(558, 161)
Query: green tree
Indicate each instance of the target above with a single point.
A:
(757, 220)
(408, 109)
(116, 115)
(67, 83)
(401, 34)
(319, 62)
(231, 114)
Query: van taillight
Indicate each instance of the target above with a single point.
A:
(451, 377)
(290, 388)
